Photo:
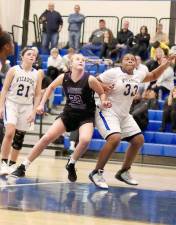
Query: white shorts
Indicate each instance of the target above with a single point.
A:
(108, 123)
(17, 115)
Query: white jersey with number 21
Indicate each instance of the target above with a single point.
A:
(22, 88)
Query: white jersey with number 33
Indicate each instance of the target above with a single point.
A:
(22, 88)
(125, 88)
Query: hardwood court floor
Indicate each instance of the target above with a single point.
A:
(46, 197)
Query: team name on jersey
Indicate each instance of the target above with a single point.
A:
(76, 90)
(127, 80)
(25, 79)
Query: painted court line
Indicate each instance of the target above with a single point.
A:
(31, 184)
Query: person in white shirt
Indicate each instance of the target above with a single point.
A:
(116, 123)
(165, 83)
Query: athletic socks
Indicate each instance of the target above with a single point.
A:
(72, 161)
(26, 163)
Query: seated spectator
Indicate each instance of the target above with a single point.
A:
(124, 41)
(149, 96)
(38, 62)
(67, 58)
(108, 44)
(141, 43)
(159, 40)
(169, 112)
(139, 111)
(96, 40)
(165, 83)
(54, 64)
(154, 63)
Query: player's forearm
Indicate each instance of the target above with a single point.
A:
(46, 95)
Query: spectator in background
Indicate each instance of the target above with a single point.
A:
(96, 40)
(54, 68)
(124, 41)
(141, 43)
(108, 45)
(67, 58)
(169, 111)
(165, 83)
(154, 63)
(52, 25)
(159, 40)
(75, 21)
(54, 64)
(38, 62)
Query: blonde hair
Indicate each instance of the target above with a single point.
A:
(54, 50)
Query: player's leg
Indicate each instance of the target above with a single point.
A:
(16, 148)
(5, 148)
(53, 132)
(109, 127)
(85, 135)
(132, 134)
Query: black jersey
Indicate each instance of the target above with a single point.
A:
(79, 96)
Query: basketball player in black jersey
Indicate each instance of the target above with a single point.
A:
(78, 112)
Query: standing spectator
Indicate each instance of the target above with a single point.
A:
(124, 39)
(169, 112)
(141, 43)
(75, 21)
(52, 25)
(96, 40)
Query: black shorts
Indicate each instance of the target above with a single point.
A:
(72, 121)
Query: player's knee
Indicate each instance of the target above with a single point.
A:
(18, 139)
(84, 141)
(114, 140)
(9, 135)
(138, 141)
(46, 139)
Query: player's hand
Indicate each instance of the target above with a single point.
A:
(108, 87)
(31, 117)
(106, 104)
(40, 109)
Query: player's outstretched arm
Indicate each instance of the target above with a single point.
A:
(156, 73)
(57, 82)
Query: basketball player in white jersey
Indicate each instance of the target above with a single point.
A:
(19, 98)
(116, 123)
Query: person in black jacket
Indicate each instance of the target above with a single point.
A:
(124, 41)
(141, 45)
(52, 24)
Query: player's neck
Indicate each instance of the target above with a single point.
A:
(128, 71)
(76, 74)
(26, 67)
